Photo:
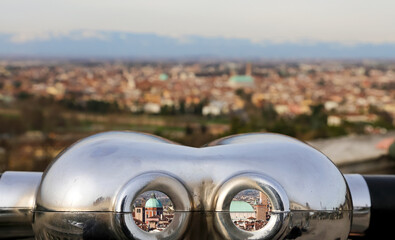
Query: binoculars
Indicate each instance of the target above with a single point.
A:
(88, 191)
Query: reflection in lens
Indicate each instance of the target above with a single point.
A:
(250, 210)
(153, 211)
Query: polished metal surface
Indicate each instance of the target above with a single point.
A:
(159, 182)
(17, 199)
(88, 190)
(278, 198)
(20, 189)
(361, 202)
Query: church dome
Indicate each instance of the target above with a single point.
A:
(240, 206)
(153, 202)
(242, 79)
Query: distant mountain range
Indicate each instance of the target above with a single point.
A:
(106, 44)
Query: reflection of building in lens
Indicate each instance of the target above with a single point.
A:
(153, 207)
(250, 217)
(151, 217)
(240, 210)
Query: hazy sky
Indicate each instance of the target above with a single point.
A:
(346, 21)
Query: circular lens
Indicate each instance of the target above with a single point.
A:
(250, 210)
(153, 211)
(249, 217)
(153, 187)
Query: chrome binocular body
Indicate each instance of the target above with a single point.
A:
(89, 189)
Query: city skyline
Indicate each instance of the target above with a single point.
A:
(190, 102)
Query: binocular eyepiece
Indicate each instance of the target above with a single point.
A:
(88, 191)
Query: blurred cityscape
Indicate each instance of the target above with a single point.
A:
(47, 105)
